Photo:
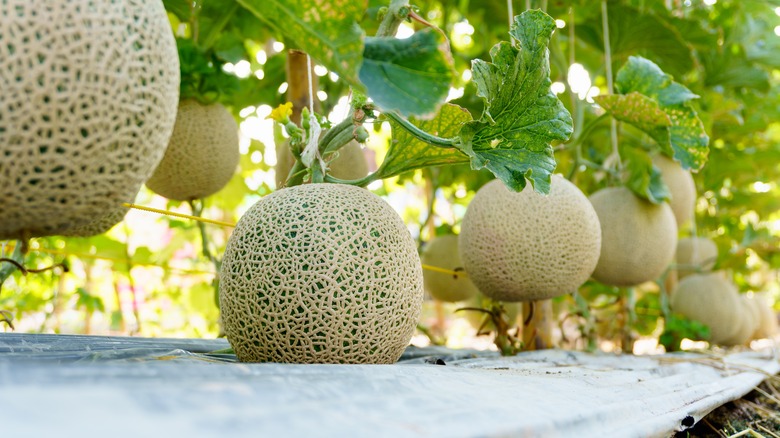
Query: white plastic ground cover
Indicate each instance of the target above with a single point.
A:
(129, 387)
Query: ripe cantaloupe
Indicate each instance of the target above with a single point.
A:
(638, 238)
(695, 254)
(320, 273)
(202, 155)
(442, 252)
(88, 101)
(349, 163)
(712, 300)
(521, 246)
(681, 187)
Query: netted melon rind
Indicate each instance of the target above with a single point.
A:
(320, 273)
(349, 163)
(88, 101)
(442, 252)
(638, 239)
(100, 225)
(681, 187)
(712, 300)
(202, 155)
(527, 246)
(695, 254)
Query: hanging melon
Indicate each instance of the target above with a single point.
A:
(521, 246)
(88, 102)
(638, 238)
(320, 273)
(348, 163)
(202, 154)
(682, 189)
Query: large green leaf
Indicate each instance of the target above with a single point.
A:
(687, 139)
(522, 116)
(406, 152)
(328, 31)
(640, 111)
(411, 76)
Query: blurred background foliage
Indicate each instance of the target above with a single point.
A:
(148, 275)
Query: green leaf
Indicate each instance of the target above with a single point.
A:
(644, 179)
(640, 111)
(522, 116)
(411, 76)
(406, 152)
(634, 32)
(328, 31)
(687, 139)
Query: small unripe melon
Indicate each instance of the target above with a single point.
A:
(695, 254)
(681, 188)
(349, 162)
(442, 252)
(713, 301)
(638, 238)
(320, 273)
(521, 246)
(202, 155)
(88, 96)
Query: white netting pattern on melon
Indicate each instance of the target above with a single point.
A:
(320, 273)
(88, 94)
(99, 225)
(202, 155)
(712, 300)
(526, 246)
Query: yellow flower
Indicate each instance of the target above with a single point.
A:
(282, 112)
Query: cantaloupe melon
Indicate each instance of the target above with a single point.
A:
(747, 322)
(712, 300)
(100, 225)
(695, 254)
(521, 246)
(202, 155)
(767, 321)
(349, 163)
(88, 101)
(442, 252)
(638, 238)
(320, 273)
(681, 187)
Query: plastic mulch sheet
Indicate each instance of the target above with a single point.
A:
(60, 385)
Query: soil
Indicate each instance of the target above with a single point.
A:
(757, 414)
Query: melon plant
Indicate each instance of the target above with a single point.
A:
(349, 163)
(638, 238)
(89, 94)
(442, 252)
(712, 300)
(695, 254)
(202, 154)
(681, 188)
(320, 273)
(522, 246)
(482, 321)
